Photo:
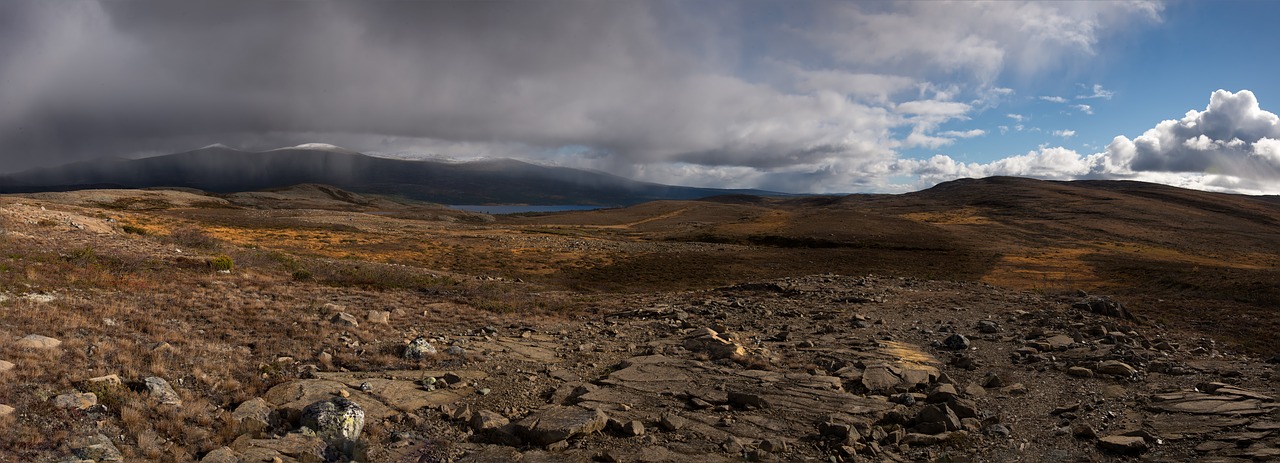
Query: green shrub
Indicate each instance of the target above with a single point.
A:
(222, 263)
(134, 230)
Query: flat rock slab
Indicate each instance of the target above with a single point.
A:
(291, 397)
(522, 349)
(35, 341)
(292, 447)
(1206, 404)
(1175, 427)
(557, 422)
(1128, 445)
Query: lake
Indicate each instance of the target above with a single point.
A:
(511, 209)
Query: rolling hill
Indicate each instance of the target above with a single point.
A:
(225, 170)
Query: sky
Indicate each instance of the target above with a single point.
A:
(799, 96)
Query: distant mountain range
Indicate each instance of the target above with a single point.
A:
(222, 169)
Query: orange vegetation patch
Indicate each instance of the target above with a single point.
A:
(962, 216)
(1048, 268)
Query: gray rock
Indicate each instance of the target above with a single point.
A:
(97, 448)
(336, 420)
(419, 349)
(988, 327)
(672, 422)
(555, 423)
(996, 430)
(936, 419)
(254, 417)
(161, 391)
(344, 319)
(956, 341)
(78, 401)
(455, 350)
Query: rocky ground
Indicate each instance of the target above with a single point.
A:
(128, 345)
(821, 368)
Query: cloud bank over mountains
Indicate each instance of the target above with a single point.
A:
(814, 97)
(1233, 145)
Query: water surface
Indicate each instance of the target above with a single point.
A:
(516, 209)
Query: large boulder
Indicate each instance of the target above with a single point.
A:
(254, 417)
(419, 349)
(336, 420)
(557, 422)
(97, 448)
(708, 341)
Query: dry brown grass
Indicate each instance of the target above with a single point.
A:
(141, 305)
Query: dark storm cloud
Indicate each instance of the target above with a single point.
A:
(701, 93)
(90, 76)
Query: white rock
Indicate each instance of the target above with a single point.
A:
(35, 341)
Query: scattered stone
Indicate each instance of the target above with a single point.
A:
(161, 391)
(1065, 409)
(1059, 342)
(774, 445)
(956, 341)
(97, 447)
(633, 428)
(745, 400)
(988, 327)
(379, 317)
(1125, 445)
(419, 349)
(941, 393)
(107, 380)
(78, 401)
(555, 423)
(935, 419)
(1103, 306)
(35, 341)
(6, 410)
(455, 350)
(997, 430)
(5, 366)
(484, 420)
(1116, 368)
(1083, 431)
(1080, 372)
(344, 319)
(671, 422)
(221, 455)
